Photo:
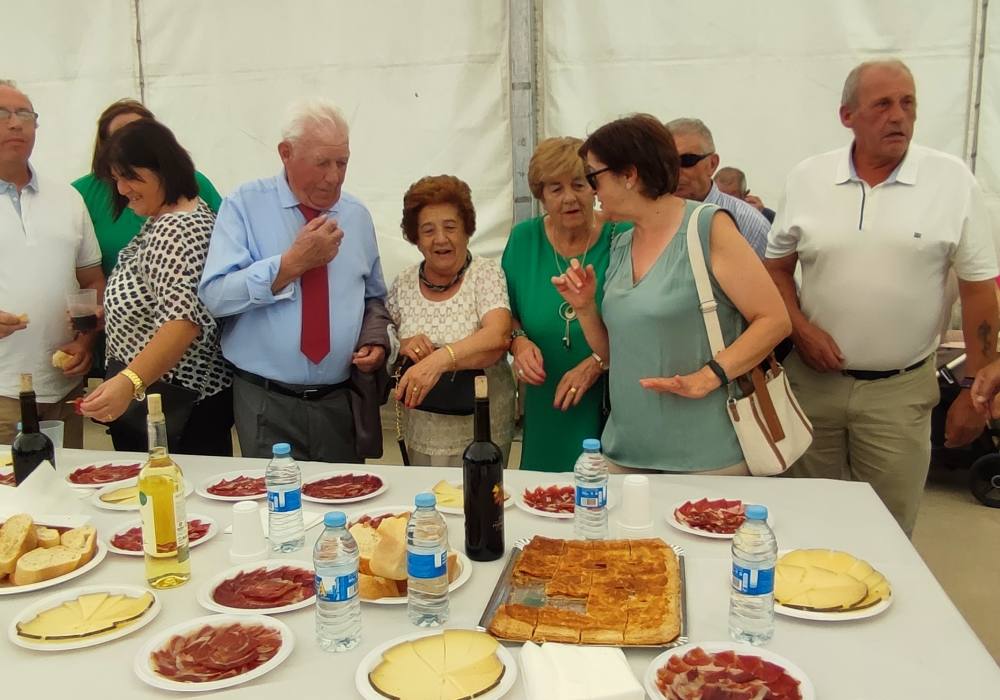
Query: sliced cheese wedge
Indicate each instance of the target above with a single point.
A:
(98, 614)
(127, 494)
(449, 495)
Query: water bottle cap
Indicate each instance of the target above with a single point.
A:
(335, 518)
(592, 445)
(756, 512)
(281, 448)
(425, 500)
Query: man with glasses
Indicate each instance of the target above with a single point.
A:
(698, 163)
(49, 249)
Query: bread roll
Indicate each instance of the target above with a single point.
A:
(60, 359)
(17, 537)
(46, 536)
(43, 564)
(389, 558)
(83, 539)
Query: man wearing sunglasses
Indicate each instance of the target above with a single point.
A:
(698, 163)
(49, 249)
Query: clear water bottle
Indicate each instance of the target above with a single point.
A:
(338, 608)
(751, 601)
(590, 514)
(427, 564)
(284, 501)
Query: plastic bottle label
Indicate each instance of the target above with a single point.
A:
(753, 581)
(591, 496)
(430, 565)
(337, 589)
(284, 501)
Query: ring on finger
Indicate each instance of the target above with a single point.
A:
(416, 350)
(572, 390)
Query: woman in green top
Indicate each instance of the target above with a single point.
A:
(113, 234)
(668, 407)
(116, 232)
(562, 376)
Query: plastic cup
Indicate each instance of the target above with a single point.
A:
(636, 509)
(249, 543)
(83, 309)
(55, 429)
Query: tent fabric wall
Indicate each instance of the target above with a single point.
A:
(425, 84)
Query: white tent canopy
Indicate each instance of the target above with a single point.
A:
(426, 84)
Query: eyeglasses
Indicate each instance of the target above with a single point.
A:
(25, 116)
(689, 160)
(591, 177)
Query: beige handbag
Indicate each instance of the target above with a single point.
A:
(770, 425)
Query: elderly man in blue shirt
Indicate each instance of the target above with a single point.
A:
(293, 270)
(699, 161)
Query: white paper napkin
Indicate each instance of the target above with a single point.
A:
(311, 518)
(568, 672)
(43, 495)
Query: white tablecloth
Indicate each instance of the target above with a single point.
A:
(919, 648)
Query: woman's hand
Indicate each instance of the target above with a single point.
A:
(578, 286)
(416, 347)
(575, 383)
(110, 400)
(690, 386)
(527, 361)
(421, 378)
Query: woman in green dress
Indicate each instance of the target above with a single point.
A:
(562, 377)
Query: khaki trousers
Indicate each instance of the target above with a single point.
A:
(876, 431)
(10, 416)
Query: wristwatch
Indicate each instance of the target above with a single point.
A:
(517, 333)
(138, 387)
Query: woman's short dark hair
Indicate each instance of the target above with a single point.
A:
(115, 109)
(146, 143)
(437, 189)
(640, 141)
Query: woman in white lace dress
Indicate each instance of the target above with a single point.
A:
(451, 312)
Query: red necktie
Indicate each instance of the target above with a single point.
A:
(315, 339)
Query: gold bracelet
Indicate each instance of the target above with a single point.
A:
(138, 386)
(454, 359)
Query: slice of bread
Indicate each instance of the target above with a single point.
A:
(60, 359)
(367, 537)
(17, 537)
(47, 537)
(43, 564)
(389, 558)
(375, 587)
(83, 539)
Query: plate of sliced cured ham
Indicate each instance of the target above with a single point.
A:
(7, 477)
(100, 474)
(342, 487)
(214, 652)
(725, 669)
(717, 518)
(128, 539)
(263, 588)
(551, 501)
(243, 485)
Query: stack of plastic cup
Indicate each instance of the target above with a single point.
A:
(635, 514)
(248, 543)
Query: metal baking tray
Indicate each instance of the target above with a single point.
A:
(501, 594)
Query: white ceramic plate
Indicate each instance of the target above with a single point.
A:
(464, 574)
(805, 685)
(518, 499)
(96, 498)
(205, 592)
(845, 616)
(460, 510)
(678, 525)
(374, 657)
(101, 463)
(146, 674)
(213, 530)
(252, 473)
(326, 475)
(102, 551)
(70, 594)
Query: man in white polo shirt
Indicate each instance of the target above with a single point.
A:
(877, 227)
(49, 249)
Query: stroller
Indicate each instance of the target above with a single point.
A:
(980, 457)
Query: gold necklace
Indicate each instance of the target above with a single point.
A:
(566, 312)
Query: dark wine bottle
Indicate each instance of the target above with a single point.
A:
(482, 467)
(31, 446)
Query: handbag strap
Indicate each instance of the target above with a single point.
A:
(706, 299)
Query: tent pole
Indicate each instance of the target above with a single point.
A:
(523, 54)
(138, 51)
(976, 96)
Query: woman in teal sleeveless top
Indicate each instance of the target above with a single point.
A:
(562, 383)
(668, 399)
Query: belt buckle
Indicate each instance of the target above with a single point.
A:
(310, 394)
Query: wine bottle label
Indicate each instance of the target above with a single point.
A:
(284, 501)
(163, 514)
(430, 565)
(337, 589)
(752, 581)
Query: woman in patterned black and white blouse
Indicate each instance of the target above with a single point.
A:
(158, 329)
